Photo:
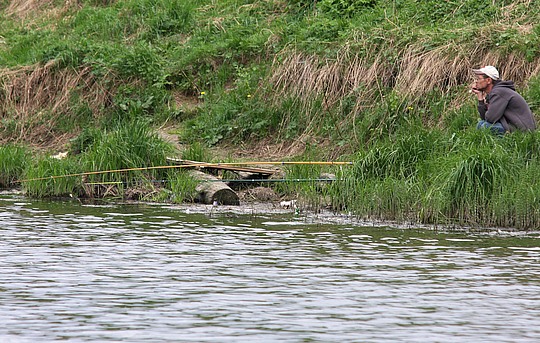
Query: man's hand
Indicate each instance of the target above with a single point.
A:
(480, 94)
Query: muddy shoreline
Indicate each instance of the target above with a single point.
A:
(273, 208)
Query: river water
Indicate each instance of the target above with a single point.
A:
(157, 273)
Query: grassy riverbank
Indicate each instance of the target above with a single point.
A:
(381, 83)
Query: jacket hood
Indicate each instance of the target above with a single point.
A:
(505, 84)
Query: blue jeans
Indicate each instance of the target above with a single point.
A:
(495, 128)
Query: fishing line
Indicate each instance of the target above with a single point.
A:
(201, 164)
(221, 180)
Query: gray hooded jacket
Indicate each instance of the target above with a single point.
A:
(504, 105)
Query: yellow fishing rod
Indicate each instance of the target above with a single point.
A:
(188, 165)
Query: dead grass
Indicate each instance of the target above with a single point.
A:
(31, 9)
(368, 77)
(186, 102)
(510, 12)
(267, 149)
(419, 72)
(34, 98)
(308, 76)
(22, 8)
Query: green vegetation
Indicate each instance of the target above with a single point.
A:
(474, 179)
(380, 82)
(41, 185)
(13, 161)
(182, 187)
(128, 154)
(131, 145)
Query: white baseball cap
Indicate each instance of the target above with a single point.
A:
(489, 71)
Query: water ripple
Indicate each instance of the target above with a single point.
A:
(155, 274)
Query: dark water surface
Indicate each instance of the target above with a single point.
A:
(142, 273)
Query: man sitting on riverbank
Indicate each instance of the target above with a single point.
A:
(500, 107)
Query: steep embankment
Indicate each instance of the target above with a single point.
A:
(300, 71)
(383, 83)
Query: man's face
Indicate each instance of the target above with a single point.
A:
(482, 82)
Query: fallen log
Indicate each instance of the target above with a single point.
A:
(212, 191)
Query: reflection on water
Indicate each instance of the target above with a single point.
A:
(156, 274)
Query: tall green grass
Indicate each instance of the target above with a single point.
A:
(13, 161)
(468, 181)
(126, 156)
(130, 145)
(474, 178)
(46, 179)
(198, 152)
(518, 204)
(182, 187)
